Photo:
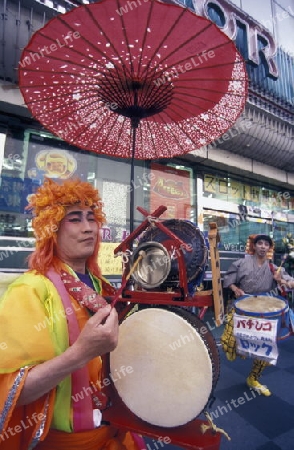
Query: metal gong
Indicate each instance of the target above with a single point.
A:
(194, 260)
(154, 265)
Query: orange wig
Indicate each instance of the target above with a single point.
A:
(48, 206)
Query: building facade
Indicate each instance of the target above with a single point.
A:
(244, 181)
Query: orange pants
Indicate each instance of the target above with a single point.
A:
(103, 438)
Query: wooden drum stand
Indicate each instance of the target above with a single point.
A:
(197, 434)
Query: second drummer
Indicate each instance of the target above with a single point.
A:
(253, 274)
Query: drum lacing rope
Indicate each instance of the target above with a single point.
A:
(213, 427)
(152, 220)
(125, 256)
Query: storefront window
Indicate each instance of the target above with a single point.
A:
(246, 209)
(29, 156)
(257, 199)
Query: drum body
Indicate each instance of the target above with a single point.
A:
(266, 307)
(171, 365)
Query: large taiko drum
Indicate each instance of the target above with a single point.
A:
(170, 364)
(267, 307)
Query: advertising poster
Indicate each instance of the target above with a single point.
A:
(108, 263)
(170, 187)
(48, 158)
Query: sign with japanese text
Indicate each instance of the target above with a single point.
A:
(255, 197)
(256, 337)
(109, 264)
(170, 187)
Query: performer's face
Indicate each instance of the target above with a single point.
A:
(261, 248)
(77, 235)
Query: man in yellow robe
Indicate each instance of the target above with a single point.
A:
(55, 326)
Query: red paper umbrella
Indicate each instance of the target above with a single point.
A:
(148, 81)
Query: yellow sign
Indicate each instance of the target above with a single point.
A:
(210, 183)
(108, 264)
(56, 163)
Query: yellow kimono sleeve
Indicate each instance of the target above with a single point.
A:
(26, 339)
(26, 332)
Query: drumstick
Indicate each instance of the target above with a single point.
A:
(284, 257)
(142, 255)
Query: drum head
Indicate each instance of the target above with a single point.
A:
(195, 260)
(260, 305)
(171, 366)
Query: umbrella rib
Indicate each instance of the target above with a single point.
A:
(124, 67)
(96, 49)
(90, 43)
(207, 80)
(103, 73)
(182, 87)
(158, 98)
(204, 111)
(224, 44)
(126, 38)
(188, 136)
(76, 86)
(195, 96)
(149, 133)
(214, 66)
(192, 104)
(162, 71)
(86, 126)
(115, 93)
(73, 49)
(73, 73)
(163, 38)
(143, 96)
(66, 95)
(73, 102)
(144, 38)
(119, 136)
(169, 150)
(65, 116)
(113, 152)
(55, 58)
(98, 132)
(203, 121)
(171, 53)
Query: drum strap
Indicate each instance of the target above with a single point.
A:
(82, 293)
(82, 410)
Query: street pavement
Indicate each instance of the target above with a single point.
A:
(255, 422)
(252, 421)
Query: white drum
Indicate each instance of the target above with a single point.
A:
(171, 365)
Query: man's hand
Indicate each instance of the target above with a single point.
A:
(277, 276)
(99, 335)
(237, 291)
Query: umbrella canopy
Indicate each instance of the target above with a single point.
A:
(138, 79)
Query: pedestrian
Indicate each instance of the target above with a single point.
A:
(55, 326)
(253, 274)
